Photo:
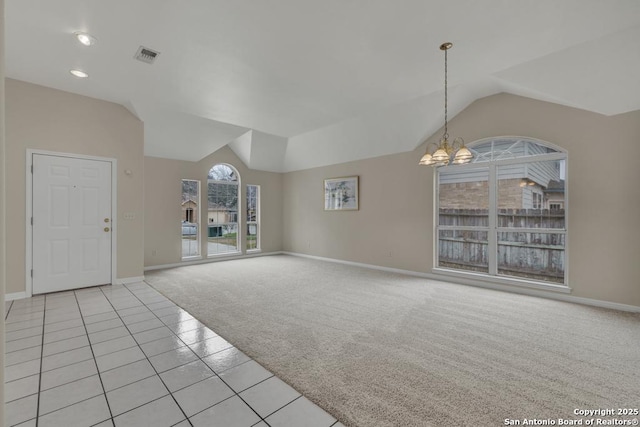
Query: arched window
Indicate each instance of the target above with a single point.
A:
(222, 214)
(504, 213)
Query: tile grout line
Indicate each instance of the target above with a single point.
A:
(69, 382)
(94, 357)
(16, 339)
(78, 379)
(237, 394)
(199, 358)
(19, 321)
(147, 358)
(71, 404)
(164, 324)
(62, 352)
(44, 316)
(6, 315)
(26, 348)
(164, 352)
(175, 334)
(285, 405)
(263, 419)
(18, 398)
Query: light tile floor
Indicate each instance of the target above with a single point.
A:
(125, 355)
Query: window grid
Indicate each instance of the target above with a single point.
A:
(223, 197)
(190, 218)
(493, 239)
(253, 217)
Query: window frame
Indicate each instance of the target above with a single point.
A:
(492, 229)
(239, 206)
(537, 199)
(196, 214)
(258, 247)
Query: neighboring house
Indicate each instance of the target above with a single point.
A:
(219, 214)
(189, 210)
(520, 186)
(554, 195)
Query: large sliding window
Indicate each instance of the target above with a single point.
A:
(223, 188)
(190, 218)
(504, 213)
(253, 217)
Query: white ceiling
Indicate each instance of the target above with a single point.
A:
(293, 84)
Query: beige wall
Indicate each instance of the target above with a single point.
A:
(42, 118)
(163, 240)
(394, 226)
(390, 229)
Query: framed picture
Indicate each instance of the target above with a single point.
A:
(341, 194)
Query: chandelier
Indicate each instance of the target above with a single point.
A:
(444, 152)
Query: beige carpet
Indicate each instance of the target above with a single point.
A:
(381, 349)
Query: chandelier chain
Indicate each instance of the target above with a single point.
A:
(446, 131)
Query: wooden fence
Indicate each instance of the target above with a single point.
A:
(533, 255)
(512, 218)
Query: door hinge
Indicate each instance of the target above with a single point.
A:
(31, 220)
(32, 272)
(31, 168)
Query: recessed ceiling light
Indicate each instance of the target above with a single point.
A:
(84, 38)
(79, 73)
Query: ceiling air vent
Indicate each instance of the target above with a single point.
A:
(147, 55)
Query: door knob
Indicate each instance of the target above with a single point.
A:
(106, 229)
(106, 220)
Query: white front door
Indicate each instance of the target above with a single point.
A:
(71, 223)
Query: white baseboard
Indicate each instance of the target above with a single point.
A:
(484, 284)
(122, 281)
(14, 296)
(208, 260)
(128, 280)
(600, 303)
(360, 264)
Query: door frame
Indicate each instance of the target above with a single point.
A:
(29, 210)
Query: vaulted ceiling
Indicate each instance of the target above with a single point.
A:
(294, 84)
